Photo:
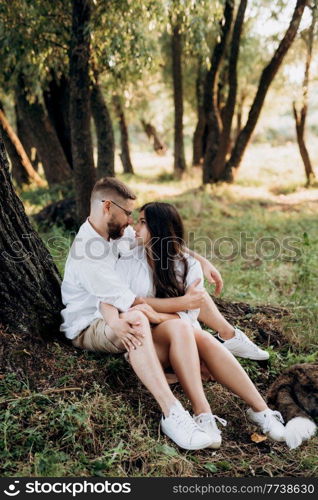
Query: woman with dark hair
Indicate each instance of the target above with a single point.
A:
(160, 267)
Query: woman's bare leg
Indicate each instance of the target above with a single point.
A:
(176, 346)
(211, 316)
(227, 370)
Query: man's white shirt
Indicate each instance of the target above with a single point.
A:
(90, 278)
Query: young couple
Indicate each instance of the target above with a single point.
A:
(142, 295)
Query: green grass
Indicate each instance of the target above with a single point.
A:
(108, 425)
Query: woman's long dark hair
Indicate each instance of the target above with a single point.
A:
(166, 248)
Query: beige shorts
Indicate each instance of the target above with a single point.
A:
(98, 336)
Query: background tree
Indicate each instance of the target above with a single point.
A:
(82, 148)
(300, 115)
(28, 274)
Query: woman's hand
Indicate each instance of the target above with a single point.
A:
(194, 297)
(152, 315)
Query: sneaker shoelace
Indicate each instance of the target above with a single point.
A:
(247, 341)
(185, 419)
(209, 417)
(276, 415)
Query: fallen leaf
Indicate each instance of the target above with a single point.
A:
(258, 438)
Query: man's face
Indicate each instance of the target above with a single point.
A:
(119, 219)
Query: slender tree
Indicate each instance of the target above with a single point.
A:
(176, 49)
(104, 132)
(82, 148)
(48, 146)
(266, 79)
(124, 136)
(301, 115)
(211, 105)
(22, 169)
(30, 299)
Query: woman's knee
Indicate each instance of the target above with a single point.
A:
(205, 340)
(180, 330)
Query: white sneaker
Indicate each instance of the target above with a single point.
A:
(240, 345)
(207, 422)
(182, 429)
(270, 422)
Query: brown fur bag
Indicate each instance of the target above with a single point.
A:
(295, 394)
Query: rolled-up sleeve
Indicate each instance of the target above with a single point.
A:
(100, 280)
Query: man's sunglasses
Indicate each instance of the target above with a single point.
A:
(127, 212)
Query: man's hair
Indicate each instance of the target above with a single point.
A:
(109, 186)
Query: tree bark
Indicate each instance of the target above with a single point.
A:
(266, 79)
(211, 107)
(22, 169)
(82, 148)
(124, 137)
(104, 132)
(26, 138)
(176, 48)
(197, 143)
(158, 145)
(30, 298)
(57, 102)
(300, 117)
(48, 146)
(218, 164)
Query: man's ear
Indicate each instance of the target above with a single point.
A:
(106, 206)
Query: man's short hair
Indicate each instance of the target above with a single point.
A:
(109, 186)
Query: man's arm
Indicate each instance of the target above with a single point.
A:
(209, 270)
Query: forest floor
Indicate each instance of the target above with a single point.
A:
(72, 413)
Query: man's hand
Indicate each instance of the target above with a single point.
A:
(194, 297)
(152, 315)
(138, 300)
(127, 332)
(213, 276)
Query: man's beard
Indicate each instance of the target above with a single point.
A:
(115, 230)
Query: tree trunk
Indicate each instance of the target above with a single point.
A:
(211, 105)
(104, 132)
(176, 46)
(158, 145)
(266, 79)
(22, 169)
(30, 299)
(57, 102)
(82, 148)
(48, 146)
(218, 164)
(300, 117)
(26, 138)
(198, 151)
(124, 137)
(300, 132)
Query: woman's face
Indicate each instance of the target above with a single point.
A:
(142, 232)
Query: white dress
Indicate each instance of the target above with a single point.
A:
(132, 267)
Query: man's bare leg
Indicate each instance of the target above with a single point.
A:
(146, 365)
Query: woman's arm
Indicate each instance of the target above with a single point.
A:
(193, 299)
